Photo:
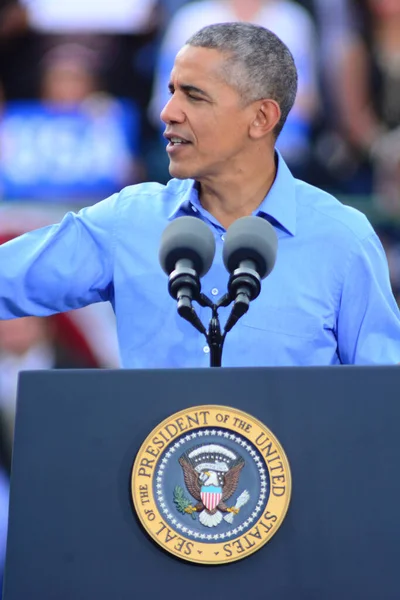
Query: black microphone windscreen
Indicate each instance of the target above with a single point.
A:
(251, 238)
(190, 238)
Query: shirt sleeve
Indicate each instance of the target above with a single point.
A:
(60, 267)
(369, 320)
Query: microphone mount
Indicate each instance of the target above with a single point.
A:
(215, 338)
(184, 285)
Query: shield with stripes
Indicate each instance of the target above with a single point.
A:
(211, 496)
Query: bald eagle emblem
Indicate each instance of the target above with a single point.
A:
(211, 473)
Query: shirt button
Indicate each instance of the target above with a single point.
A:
(194, 209)
(206, 350)
(223, 237)
(214, 292)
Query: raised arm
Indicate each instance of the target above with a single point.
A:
(60, 267)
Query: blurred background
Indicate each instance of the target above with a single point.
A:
(82, 83)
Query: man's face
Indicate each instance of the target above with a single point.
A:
(206, 114)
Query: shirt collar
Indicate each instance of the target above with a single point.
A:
(188, 197)
(278, 206)
(280, 202)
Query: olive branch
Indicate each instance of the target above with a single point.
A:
(182, 502)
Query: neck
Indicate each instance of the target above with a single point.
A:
(238, 194)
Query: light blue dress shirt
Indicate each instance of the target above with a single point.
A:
(328, 300)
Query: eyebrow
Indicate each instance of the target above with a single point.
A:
(189, 89)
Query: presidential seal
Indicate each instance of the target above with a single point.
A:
(211, 484)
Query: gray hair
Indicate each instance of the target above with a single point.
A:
(258, 64)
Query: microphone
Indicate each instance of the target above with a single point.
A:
(186, 253)
(249, 255)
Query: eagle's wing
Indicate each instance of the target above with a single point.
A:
(191, 478)
(231, 480)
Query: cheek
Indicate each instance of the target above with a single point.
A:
(224, 135)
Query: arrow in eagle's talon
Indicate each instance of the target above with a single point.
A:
(241, 501)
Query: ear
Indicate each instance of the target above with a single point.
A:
(268, 114)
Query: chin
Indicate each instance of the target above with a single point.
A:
(179, 172)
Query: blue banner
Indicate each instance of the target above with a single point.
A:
(50, 153)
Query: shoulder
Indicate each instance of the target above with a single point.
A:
(152, 198)
(327, 215)
(173, 189)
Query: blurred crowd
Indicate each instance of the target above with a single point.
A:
(82, 83)
(343, 133)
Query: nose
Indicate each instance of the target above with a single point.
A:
(172, 112)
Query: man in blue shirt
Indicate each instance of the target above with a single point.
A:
(328, 300)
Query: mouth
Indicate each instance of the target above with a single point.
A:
(176, 143)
